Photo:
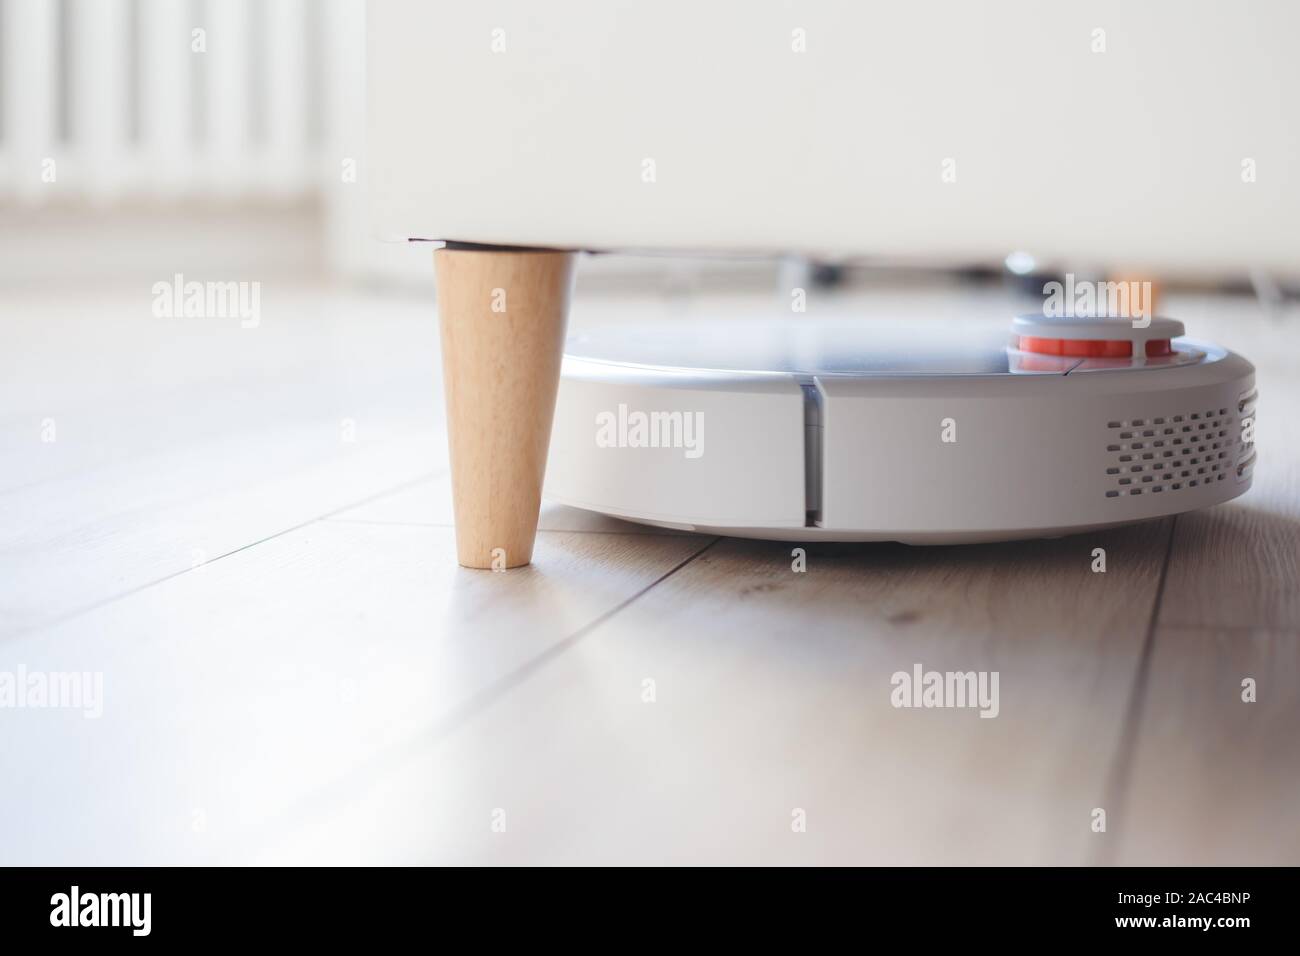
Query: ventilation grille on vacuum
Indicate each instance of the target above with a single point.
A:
(1167, 454)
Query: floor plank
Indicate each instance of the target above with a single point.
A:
(773, 694)
(237, 692)
(1235, 566)
(178, 441)
(1214, 778)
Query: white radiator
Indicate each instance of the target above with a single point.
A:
(109, 100)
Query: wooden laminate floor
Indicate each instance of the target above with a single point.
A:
(247, 533)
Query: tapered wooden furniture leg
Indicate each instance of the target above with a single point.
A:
(503, 316)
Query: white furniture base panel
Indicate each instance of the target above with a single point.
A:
(860, 431)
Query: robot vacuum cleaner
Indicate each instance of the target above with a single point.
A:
(801, 430)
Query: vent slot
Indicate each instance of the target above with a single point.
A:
(1172, 453)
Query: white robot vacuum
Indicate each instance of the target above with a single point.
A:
(802, 430)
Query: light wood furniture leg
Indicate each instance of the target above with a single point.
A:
(503, 315)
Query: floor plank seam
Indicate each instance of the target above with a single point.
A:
(104, 602)
(1121, 770)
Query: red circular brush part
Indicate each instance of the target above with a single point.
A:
(1092, 348)
(1085, 348)
(1040, 346)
